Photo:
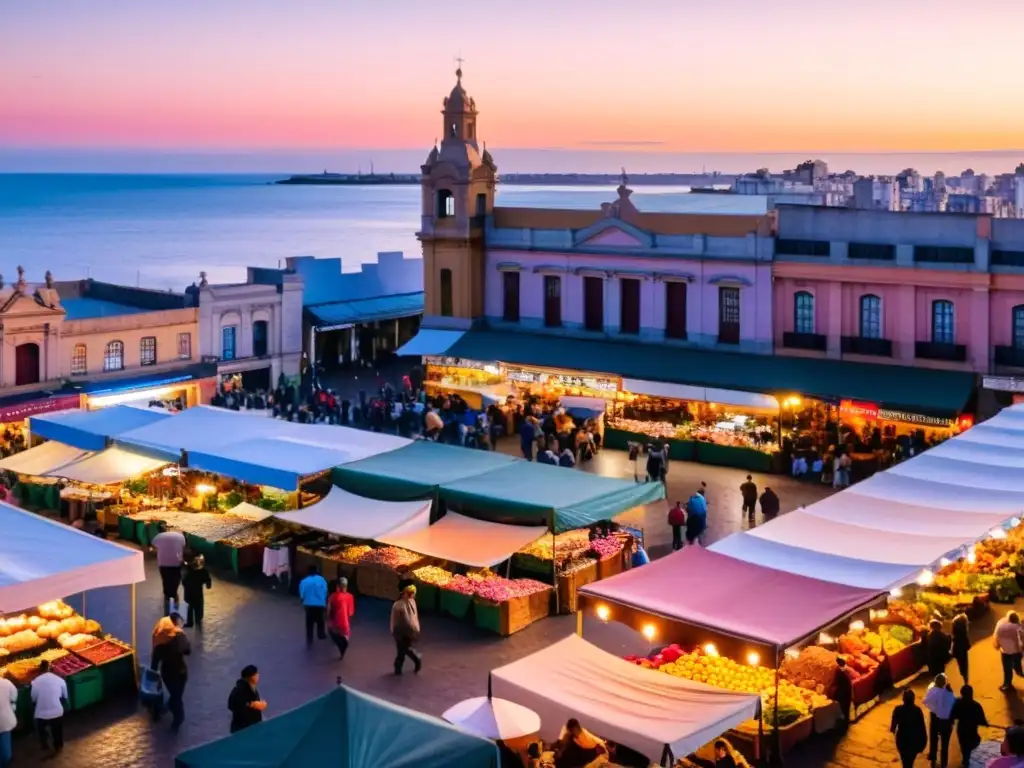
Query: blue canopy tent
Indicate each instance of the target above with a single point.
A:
(92, 430)
(346, 728)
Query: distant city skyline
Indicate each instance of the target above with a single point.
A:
(647, 78)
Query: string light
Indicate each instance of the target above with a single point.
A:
(648, 631)
(710, 650)
(603, 613)
(856, 626)
(925, 578)
(753, 658)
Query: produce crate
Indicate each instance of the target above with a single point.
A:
(84, 688)
(377, 581)
(126, 529)
(906, 663)
(118, 674)
(532, 564)
(454, 603)
(569, 583)
(428, 597)
(865, 692)
(492, 616)
(825, 718)
(789, 735)
(611, 565)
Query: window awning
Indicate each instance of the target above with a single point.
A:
(892, 386)
(355, 311)
(356, 517)
(643, 709)
(90, 430)
(463, 540)
(42, 560)
(431, 341)
(42, 459)
(114, 465)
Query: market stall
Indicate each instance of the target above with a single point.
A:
(659, 716)
(346, 728)
(742, 620)
(108, 467)
(39, 561)
(93, 430)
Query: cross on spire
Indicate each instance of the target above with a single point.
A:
(459, 61)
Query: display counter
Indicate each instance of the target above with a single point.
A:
(740, 457)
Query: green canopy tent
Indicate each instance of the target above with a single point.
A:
(562, 498)
(346, 728)
(414, 471)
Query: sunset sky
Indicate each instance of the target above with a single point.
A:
(660, 75)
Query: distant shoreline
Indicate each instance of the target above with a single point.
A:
(525, 179)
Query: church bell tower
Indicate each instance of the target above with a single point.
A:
(457, 182)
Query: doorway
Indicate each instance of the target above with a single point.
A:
(26, 364)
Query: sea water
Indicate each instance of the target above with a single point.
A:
(161, 231)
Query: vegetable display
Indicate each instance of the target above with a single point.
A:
(431, 574)
(101, 652)
(390, 557)
(68, 665)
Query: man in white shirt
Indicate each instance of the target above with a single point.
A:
(49, 693)
(8, 718)
(170, 554)
(1007, 638)
(939, 700)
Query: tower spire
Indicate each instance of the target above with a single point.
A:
(458, 72)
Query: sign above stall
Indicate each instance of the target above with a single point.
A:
(458, 362)
(872, 412)
(567, 381)
(23, 411)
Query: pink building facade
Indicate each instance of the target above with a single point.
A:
(921, 290)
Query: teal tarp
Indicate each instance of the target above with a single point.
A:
(539, 492)
(891, 386)
(346, 728)
(415, 471)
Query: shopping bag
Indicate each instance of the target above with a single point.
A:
(179, 607)
(151, 687)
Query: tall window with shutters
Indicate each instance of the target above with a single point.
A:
(510, 289)
(943, 326)
(675, 310)
(870, 317)
(552, 301)
(629, 306)
(593, 303)
(113, 356)
(803, 312)
(728, 315)
(79, 360)
(147, 350)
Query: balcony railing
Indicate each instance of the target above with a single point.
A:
(857, 345)
(1010, 356)
(813, 341)
(932, 350)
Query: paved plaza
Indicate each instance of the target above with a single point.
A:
(251, 623)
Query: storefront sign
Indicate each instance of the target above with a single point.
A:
(1003, 383)
(458, 362)
(566, 381)
(858, 408)
(914, 418)
(37, 407)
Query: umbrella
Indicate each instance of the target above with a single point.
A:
(493, 718)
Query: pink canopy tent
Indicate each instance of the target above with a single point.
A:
(729, 596)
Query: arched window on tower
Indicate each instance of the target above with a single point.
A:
(454, 130)
(445, 204)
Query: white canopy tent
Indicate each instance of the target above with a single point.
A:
(896, 517)
(963, 449)
(345, 514)
(852, 572)
(941, 495)
(41, 560)
(43, 459)
(114, 465)
(966, 474)
(493, 718)
(992, 434)
(807, 531)
(250, 512)
(461, 539)
(644, 709)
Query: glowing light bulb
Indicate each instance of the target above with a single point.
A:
(897, 592)
(825, 639)
(882, 614)
(925, 578)
(648, 631)
(603, 613)
(856, 626)
(997, 533)
(792, 653)
(944, 562)
(1014, 521)
(205, 489)
(753, 658)
(972, 557)
(710, 650)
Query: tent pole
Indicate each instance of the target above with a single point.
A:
(579, 622)
(490, 693)
(554, 568)
(135, 638)
(776, 736)
(84, 594)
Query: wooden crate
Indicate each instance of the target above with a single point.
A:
(611, 565)
(569, 583)
(380, 581)
(523, 611)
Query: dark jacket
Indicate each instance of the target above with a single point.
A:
(749, 492)
(936, 650)
(769, 504)
(169, 658)
(196, 577)
(242, 715)
(908, 725)
(969, 717)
